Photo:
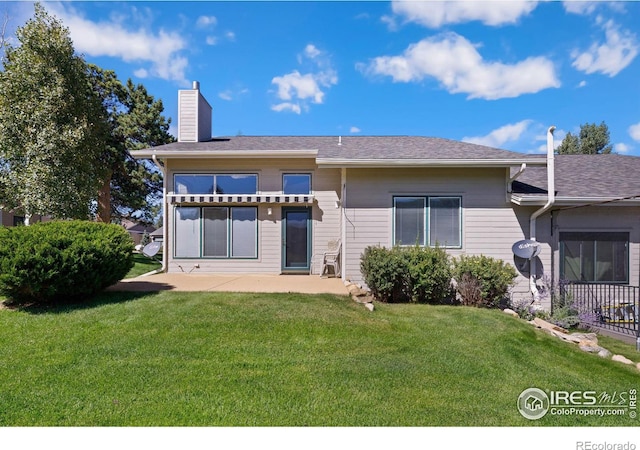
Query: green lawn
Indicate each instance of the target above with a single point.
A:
(143, 264)
(211, 359)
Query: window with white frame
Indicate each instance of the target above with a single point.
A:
(296, 183)
(427, 220)
(224, 183)
(216, 232)
(594, 257)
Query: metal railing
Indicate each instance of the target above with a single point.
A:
(609, 306)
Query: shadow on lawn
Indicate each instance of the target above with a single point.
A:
(101, 299)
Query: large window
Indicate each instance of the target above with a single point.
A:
(216, 232)
(296, 183)
(216, 183)
(427, 221)
(594, 257)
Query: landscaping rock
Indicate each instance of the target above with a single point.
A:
(548, 326)
(369, 306)
(356, 290)
(638, 366)
(511, 312)
(589, 346)
(604, 353)
(621, 359)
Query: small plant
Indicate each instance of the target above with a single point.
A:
(483, 281)
(527, 310)
(146, 239)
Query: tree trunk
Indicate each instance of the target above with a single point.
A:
(104, 201)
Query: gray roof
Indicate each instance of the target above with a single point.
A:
(605, 176)
(353, 148)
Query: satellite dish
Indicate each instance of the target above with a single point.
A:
(526, 249)
(150, 250)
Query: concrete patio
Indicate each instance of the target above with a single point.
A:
(304, 284)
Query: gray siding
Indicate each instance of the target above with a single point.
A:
(187, 115)
(490, 225)
(593, 218)
(325, 223)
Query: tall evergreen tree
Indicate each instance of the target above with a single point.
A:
(593, 139)
(52, 124)
(135, 122)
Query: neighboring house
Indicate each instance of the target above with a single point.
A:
(12, 219)
(157, 235)
(136, 230)
(273, 204)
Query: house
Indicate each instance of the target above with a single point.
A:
(137, 230)
(273, 204)
(9, 218)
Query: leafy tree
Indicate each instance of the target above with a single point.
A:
(593, 139)
(52, 124)
(136, 122)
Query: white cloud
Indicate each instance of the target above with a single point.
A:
(582, 84)
(296, 90)
(580, 7)
(436, 14)
(354, 130)
(206, 21)
(500, 136)
(141, 73)
(634, 132)
(295, 84)
(621, 148)
(286, 106)
(457, 65)
(230, 35)
(311, 51)
(610, 57)
(232, 94)
(226, 95)
(211, 40)
(161, 50)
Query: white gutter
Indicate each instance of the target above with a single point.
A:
(550, 201)
(517, 175)
(214, 154)
(327, 163)
(164, 216)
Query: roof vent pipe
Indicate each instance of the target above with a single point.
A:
(551, 197)
(196, 85)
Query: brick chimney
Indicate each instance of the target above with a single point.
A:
(194, 115)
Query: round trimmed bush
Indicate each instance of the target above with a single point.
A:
(482, 280)
(407, 274)
(63, 261)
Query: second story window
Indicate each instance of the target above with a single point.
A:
(296, 183)
(216, 183)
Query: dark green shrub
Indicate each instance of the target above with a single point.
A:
(483, 281)
(407, 274)
(62, 261)
(383, 271)
(429, 274)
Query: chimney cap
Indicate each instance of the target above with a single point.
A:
(196, 85)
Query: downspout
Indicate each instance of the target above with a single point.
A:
(343, 223)
(164, 216)
(550, 201)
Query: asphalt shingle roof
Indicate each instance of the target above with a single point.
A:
(353, 147)
(610, 175)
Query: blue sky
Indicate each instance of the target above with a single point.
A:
(497, 73)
